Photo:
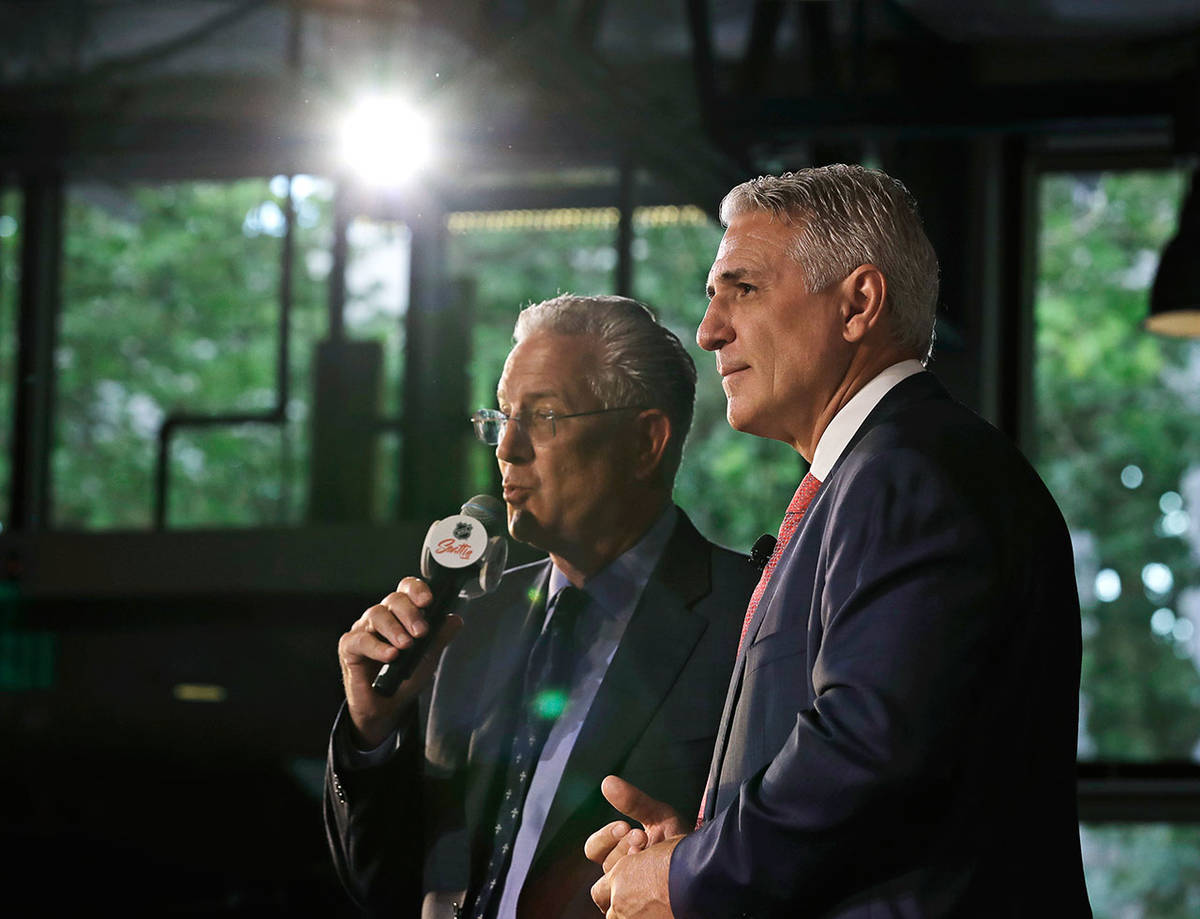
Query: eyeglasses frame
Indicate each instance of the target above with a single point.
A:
(550, 415)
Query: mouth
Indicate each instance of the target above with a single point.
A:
(516, 494)
(730, 370)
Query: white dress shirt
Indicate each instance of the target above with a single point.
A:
(849, 419)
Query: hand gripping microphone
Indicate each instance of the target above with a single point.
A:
(463, 556)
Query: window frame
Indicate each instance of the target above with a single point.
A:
(1109, 791)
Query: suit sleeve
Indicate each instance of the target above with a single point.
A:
(373, 822)
(909, 631)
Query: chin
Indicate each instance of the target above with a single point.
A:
(524, 527)
(751, 424)
(739, 420)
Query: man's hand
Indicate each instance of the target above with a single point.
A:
(376, 639)
(610, 844)
(638, 886)
(636, 861)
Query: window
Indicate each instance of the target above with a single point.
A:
(171, 304)
(1150, 870)
(377, 292)
(10, 279)
(1118, 442)
(1117, 422)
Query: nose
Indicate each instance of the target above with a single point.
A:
(514, 445)
(714, 331)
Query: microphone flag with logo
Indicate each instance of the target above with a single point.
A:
(463, 557)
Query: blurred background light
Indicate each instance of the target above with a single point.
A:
(1131, 476)
(1108, 585)
(1157, 578)
(385, 141)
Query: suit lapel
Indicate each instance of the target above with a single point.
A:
(735, 685)
(914, 388)
(908, 390)
(656, 644)
(714, 767)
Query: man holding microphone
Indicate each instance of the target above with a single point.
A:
(610, 656)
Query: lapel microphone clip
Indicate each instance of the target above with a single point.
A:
(760, 554)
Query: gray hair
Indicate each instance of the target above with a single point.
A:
(642, 362)
(846, 216)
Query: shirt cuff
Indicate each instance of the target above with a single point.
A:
(346, 753)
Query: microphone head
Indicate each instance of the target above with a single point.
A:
(489, 511)
(465, 539)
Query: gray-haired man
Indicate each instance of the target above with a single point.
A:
(899, 736)
(593, 408)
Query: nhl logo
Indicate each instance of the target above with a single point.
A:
(458, 541)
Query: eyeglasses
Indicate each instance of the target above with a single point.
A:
(490, 424)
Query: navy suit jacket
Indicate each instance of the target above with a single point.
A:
(418, 828)
(900, 730)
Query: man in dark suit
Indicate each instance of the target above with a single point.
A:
(441, 817)
(899, 733)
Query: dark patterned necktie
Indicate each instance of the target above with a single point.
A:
(546, 689)
(787, 529)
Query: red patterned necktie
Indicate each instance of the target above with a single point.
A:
(791, 522)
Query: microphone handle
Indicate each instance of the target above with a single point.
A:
(445, 586)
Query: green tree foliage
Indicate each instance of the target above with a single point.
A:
(171, 304)
(1143, 871)
(1118, 425)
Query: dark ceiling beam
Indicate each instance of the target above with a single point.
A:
(387, 11)
(540, 9)
(913, 29)
(760, 47)
(169, 48)
(711, 104)
(858, 44)
(581, 103)
(580, 132)
(586, 27)
(950, 108)
(704, 68)
(820, 45)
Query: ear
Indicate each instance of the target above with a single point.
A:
(865, 294)
(653, 435)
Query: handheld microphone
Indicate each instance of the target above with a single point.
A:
(760, 553)
(463, 556)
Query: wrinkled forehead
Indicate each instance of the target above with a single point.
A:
(550, 366)
(754, 241)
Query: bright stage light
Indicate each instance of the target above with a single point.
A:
(385, 141)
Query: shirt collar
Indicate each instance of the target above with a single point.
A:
(849, 419)
(617, 586)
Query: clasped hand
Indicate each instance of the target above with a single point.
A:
(636, 860)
